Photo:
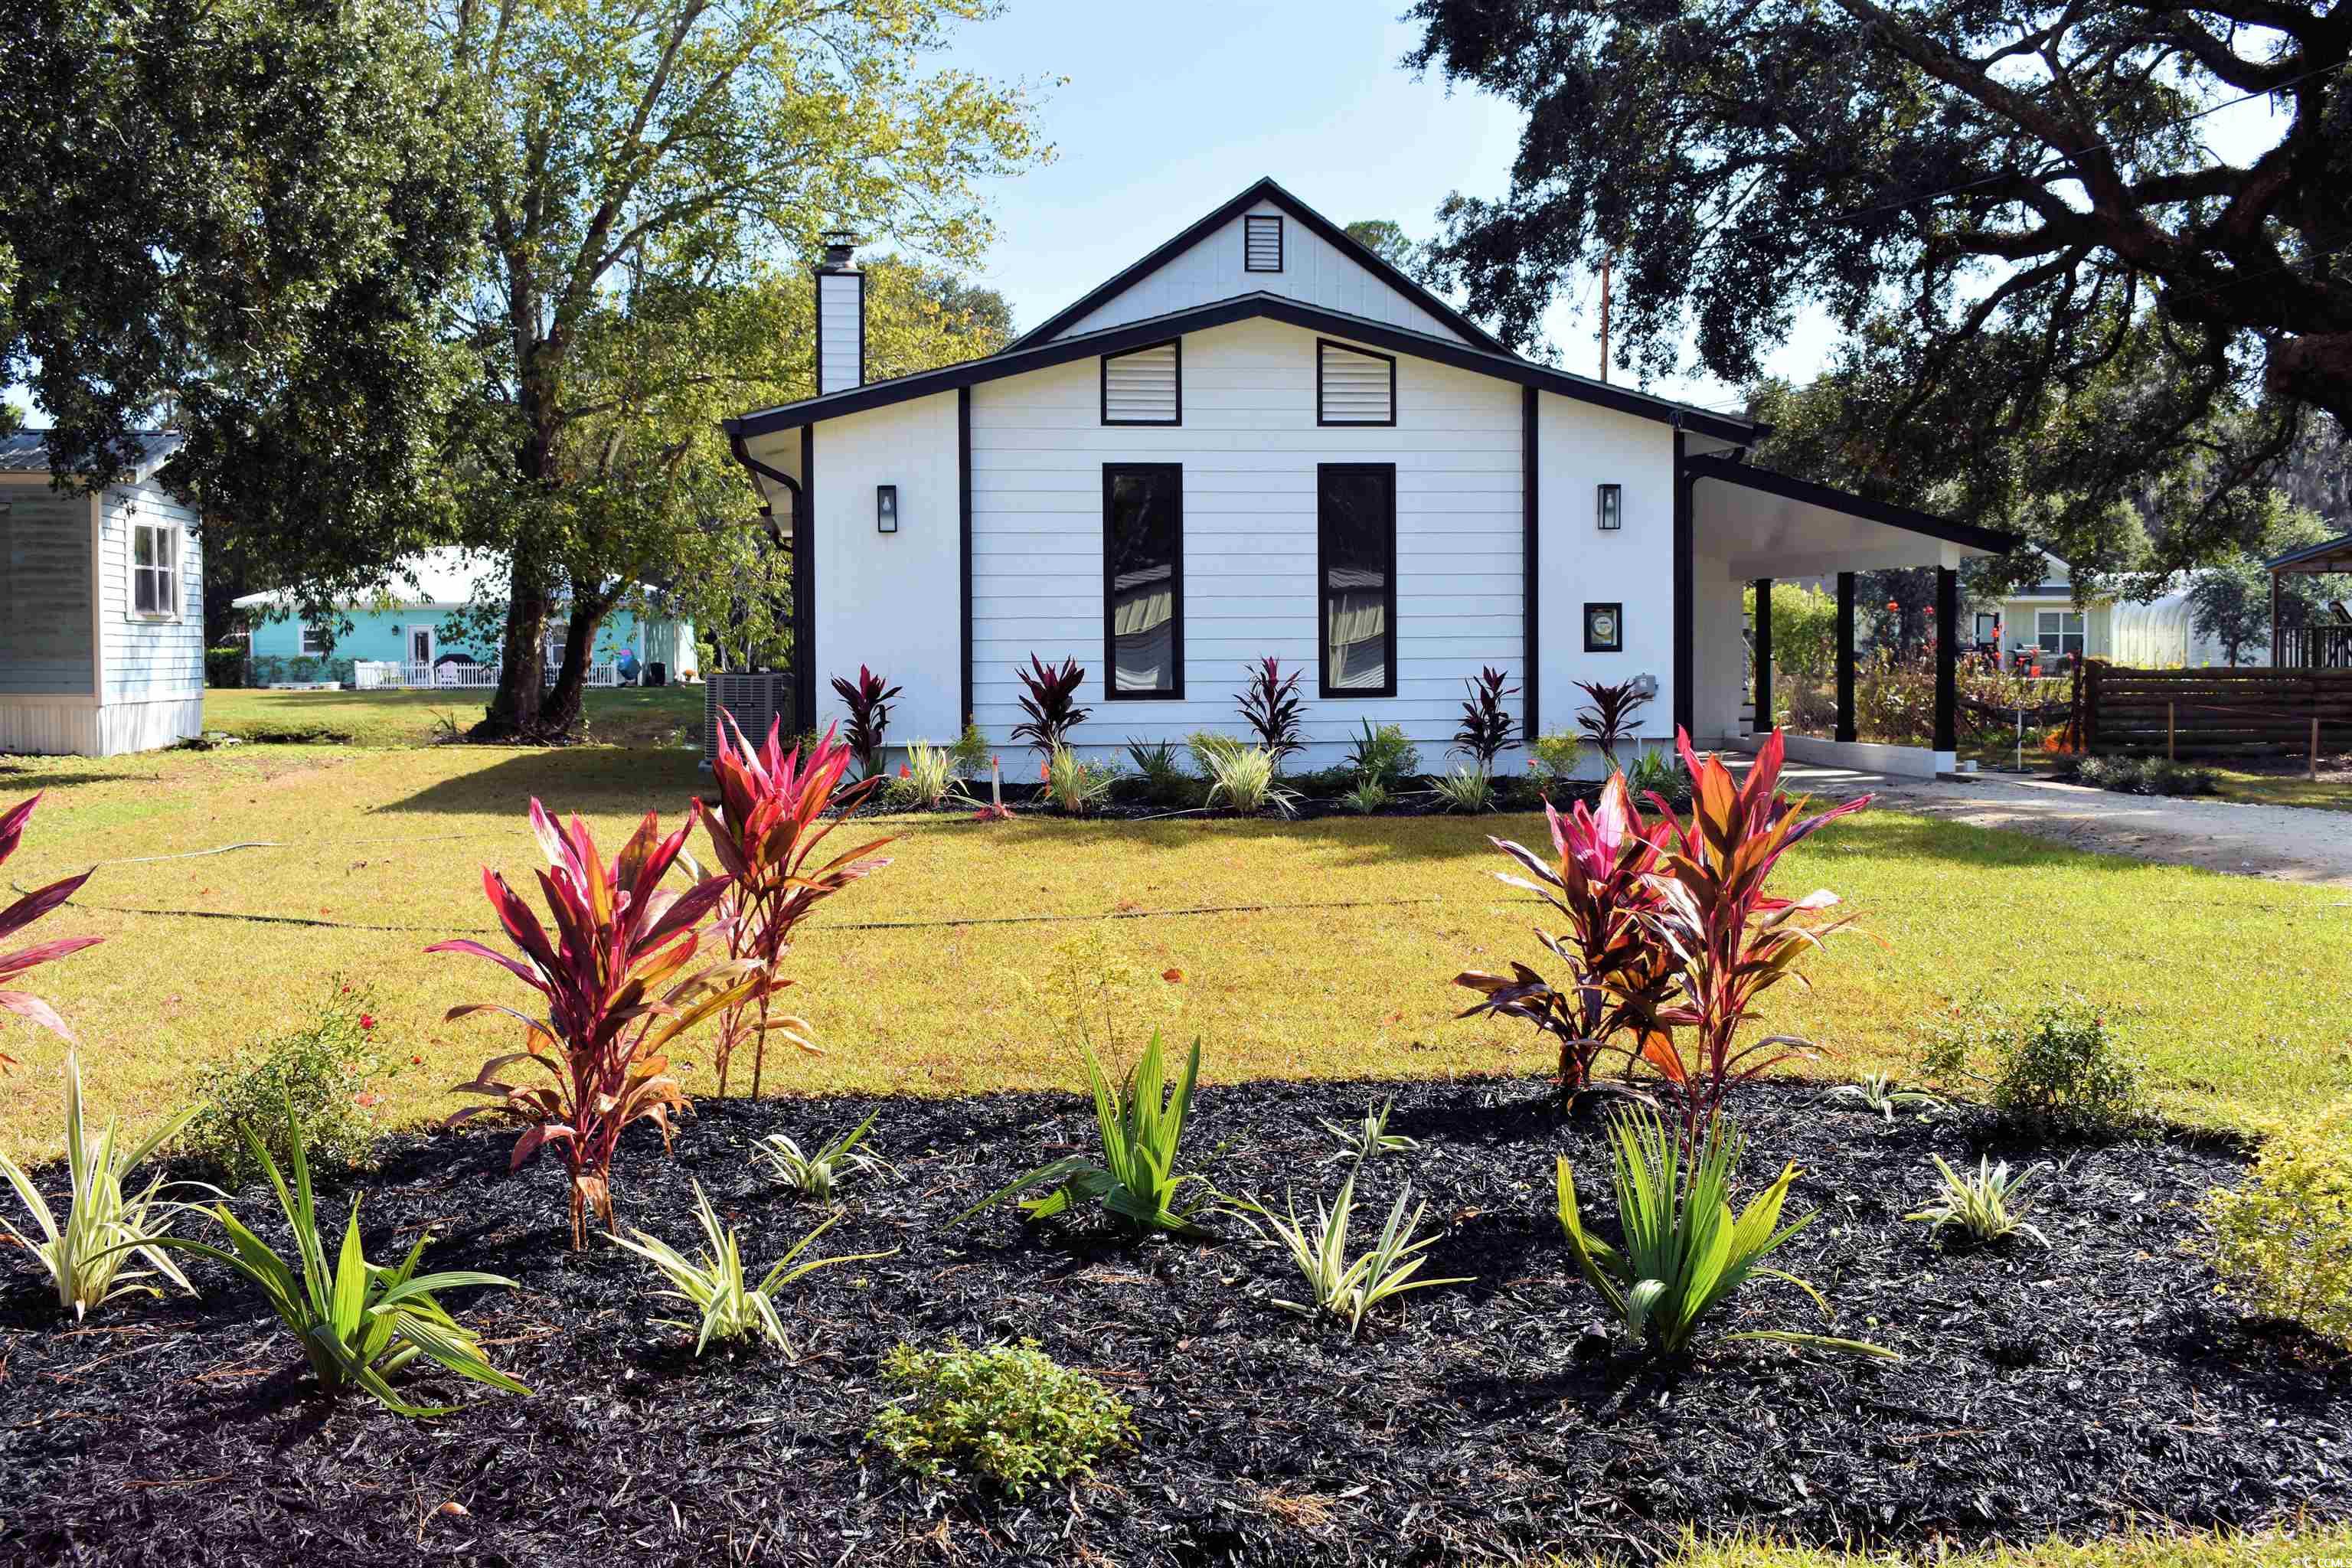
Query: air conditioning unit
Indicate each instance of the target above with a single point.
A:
(755, 701)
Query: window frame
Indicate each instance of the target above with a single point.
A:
(1111, 689)
(1102, 373)
(2083, 636)
(1281, 241)
(304, 631)
(166, 573)
(1388, 424)
(1323, 686)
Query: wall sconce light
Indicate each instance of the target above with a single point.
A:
(1609, 508)
(886, 508)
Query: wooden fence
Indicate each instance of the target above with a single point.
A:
(2202, 712)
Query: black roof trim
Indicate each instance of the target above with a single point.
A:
(1223, 312)
(1719, 465)
(1265, 190)
(2307, 551)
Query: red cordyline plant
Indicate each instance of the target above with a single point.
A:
(24, 913)
(618, 989)
(1600, 878)
(868, 701)
(764, 833)
(1730, 941)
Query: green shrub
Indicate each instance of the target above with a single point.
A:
(2282, 1238)
(2061, 1068)
(2144, 775)
(969, 753)
(1159, 777)
(326, 1072)
(1383, 756)
(1555, 756)
(1010, 1413)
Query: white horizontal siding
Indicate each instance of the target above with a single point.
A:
(1140, 388)
(1249, 445)
(1313, 270)
(840, 304)
(149, 659)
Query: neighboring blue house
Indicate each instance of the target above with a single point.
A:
(102, 609)
(403, 635)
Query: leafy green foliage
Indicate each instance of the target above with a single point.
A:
(1985, 1207)
(1244, 777)
(1009, 1414)
(2059, 1067)
(1339, 1285)
(358, 1322)
(1370, 1138)
(327, 1070)
(1465, 789)
(1270, 705)
(1159, 775)
(2144, 775)
(815, 1174)
(969, 753)
(926, 777)
(1683, 1255)
(1879, 1094)
(1556, 757)
(2283, 1238)
(1383, 756)
(84, 1256)
(727, 1306)
(1487, 728)
(1076, 785)
(1141, 1124)
(2015, 354)
(1366, 797)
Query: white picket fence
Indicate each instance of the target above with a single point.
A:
(387, 675)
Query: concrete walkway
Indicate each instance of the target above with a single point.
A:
(2292, 844)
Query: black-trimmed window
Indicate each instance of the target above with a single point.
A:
(1143, 580)
(1262, 243)
(1145, 386)
(1353, 385)
(1355, 566)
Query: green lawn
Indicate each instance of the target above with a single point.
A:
(623, 716)
(1320, 949)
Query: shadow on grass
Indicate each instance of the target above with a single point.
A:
(585, 779)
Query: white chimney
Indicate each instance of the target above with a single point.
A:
(840, 317)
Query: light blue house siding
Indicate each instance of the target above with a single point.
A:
(386, 634)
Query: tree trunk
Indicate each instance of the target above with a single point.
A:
(515, 712)
(560, 709)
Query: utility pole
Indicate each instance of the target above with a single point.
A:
(1608, 264)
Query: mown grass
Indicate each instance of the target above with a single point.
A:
(621, 716)
(2319, 1547)
(1308, 948)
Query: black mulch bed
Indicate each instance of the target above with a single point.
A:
(1512, 793)
(2045, 1391)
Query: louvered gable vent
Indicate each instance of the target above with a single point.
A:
(1262, 243)
(1353, 386)
(1143, 387)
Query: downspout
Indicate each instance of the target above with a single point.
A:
(759, 470)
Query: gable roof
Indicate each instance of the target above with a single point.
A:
(2328, 556)
(1028, 355)
(1265, 190)
(27, 451)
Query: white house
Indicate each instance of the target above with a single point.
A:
(1262, 439)
(101, 608)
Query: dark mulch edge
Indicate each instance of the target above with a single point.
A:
(1513, 793)
(2046, 1391)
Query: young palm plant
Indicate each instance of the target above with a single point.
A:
(1988, 1206)
(1142, 1127)
(815, 1174)
(1336, 1285)
(103, 1226)
(1683, 1255)
(358, 1322)
(727, 1306)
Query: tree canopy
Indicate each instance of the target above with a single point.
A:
(2010, 211)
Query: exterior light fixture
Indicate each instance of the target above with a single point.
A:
(886, 508)
(1609, 508)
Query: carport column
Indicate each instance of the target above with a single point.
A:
(1846, 731)
(1948, 659)
(1763, 722)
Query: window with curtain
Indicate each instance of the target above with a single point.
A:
(1143, 579)
(2059, 631)
(1356, 562)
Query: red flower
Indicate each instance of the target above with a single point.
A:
(1045, 773)
(367, 1020)
(905, 772)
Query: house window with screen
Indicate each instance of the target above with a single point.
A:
(2059, 631)
(154, 569)
(1356, 562)
(318, 642)
(1143, 579)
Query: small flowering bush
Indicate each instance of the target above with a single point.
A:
(1008, 1413)
(330, 1071)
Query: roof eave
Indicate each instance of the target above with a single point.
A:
(1991, 541)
